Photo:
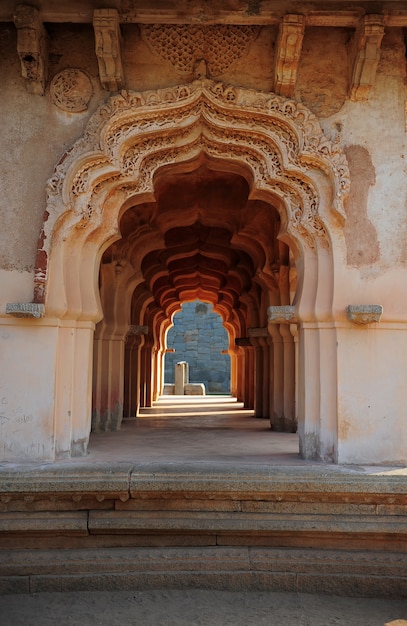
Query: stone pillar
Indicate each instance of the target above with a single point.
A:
(277, 415)
(247, 371)
(283, 407)
(146, 387)
(108, 383)
(264, 341)
(160, 374)
(234, 372)
(271, 378)
(258, 378)
(132, 373)
(181, 377)
(240, 373)
(289, 420)
(294, 332)
(256, 336)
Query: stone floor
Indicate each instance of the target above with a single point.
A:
(194, 428)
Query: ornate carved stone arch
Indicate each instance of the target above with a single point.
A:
(133, 135)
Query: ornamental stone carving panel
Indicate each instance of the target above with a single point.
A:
(71, 90)
(185, 46)
(133, 135)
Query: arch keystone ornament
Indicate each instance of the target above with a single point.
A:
(275, 143)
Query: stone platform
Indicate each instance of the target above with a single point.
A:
(147, 509)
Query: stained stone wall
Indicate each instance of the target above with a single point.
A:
(199, 338)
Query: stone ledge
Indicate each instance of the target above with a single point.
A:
(364, 313)
(45, 522)
(74, 478)
(25, 309)
(122, 480)
(282, 315)
(343, 572)
(230, 522)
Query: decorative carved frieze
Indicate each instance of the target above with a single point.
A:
(288, 51)
(364, 313)
(32, 48)
(186, 47)
(281, 314)
(108, 48)
(368, 38)
(25, 309)
(71, 90)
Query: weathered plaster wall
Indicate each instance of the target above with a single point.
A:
(371, 413)
(378, 126)
(27, 363)
(34, 135)
(323, 73)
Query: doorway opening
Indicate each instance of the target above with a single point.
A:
(202, 191)
(204, 242)
(198, 339)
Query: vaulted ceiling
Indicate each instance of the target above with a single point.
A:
(203, 238)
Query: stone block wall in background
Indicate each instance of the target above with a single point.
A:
(198, 337)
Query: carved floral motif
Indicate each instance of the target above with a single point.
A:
(71, 90)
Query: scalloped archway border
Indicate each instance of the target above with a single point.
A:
(276, 144)
(133, 135)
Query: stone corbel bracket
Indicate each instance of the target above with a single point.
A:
(26, 309)
(288, 52)
(364, 313)
(108, 48)
(282, 314)
(258, 332)
(368, 39)
(32, 48)
(136, 329)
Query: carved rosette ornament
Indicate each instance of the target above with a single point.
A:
(133, 135)
(71, 90)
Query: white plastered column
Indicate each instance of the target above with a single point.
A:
(44, 395)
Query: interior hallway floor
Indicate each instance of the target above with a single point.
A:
(181, 429)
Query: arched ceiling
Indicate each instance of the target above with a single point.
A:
(203, 238)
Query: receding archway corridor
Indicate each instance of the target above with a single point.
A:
(203, 238)
(178, 429)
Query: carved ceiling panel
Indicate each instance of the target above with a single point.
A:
(184, 46)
